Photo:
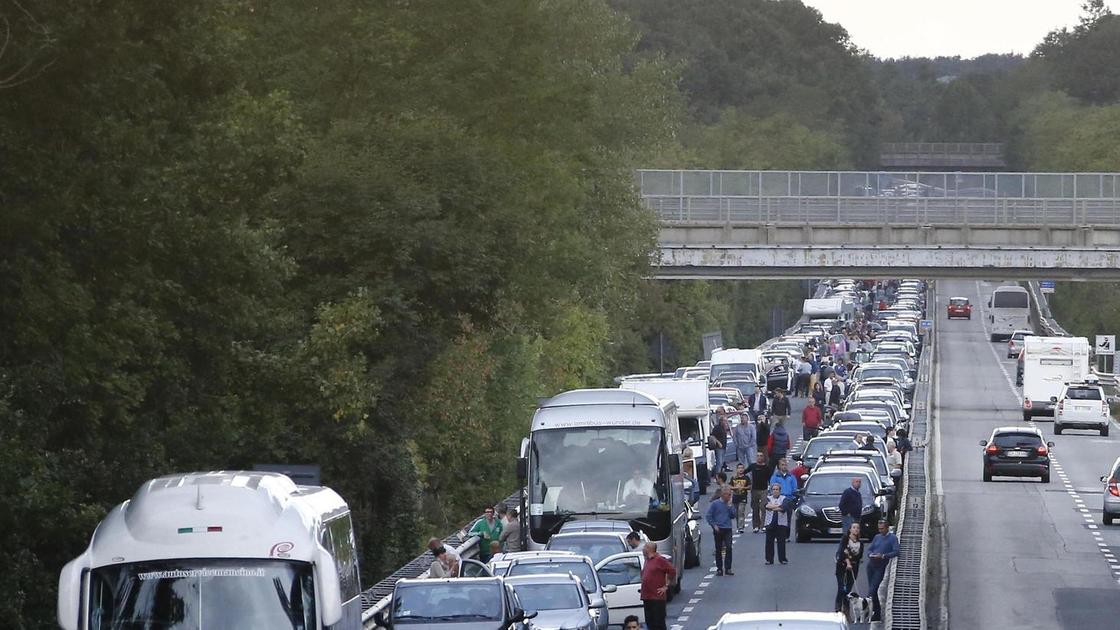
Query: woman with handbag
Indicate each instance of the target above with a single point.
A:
(848, 558)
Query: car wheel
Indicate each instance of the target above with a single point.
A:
(1104, 431)
(1106, 518)
(1046, 477)
(1057, 429)
(987, 475)
(691, 555)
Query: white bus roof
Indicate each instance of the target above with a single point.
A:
(224, 514)
(1012, 287)
(735, 355)
(602, 408)
(690, 395)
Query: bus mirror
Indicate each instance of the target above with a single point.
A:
(674, 464)
(522, 469)
(329, 597)
(70, 592)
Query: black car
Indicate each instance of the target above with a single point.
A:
(819, 512)
(820, 445)
(1016, 452)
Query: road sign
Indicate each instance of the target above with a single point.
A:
(926, 324)
(1106, 344)
(1046, 286)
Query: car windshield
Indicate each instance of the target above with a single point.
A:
(836, 483)
(549, 596)
(958, 302)
(821, 445)
(594, 547)
(1083, 393)
(882, 372)
(576, 567)
(202, 593)
(1011, 440)
(446, 601)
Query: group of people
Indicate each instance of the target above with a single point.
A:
(498, 531)
(849, 557)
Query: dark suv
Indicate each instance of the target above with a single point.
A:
(819, 512)
(1016, 452)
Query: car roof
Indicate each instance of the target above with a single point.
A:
(1016, 429)
(544, 578)
(786, 615)
(617, 536)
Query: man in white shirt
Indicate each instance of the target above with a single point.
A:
(638, 485)
(894, 458)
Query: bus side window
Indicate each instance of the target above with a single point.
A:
(338, 538)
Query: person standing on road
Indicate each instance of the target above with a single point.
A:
(894, 458)
(760, 481)
(851, 504)
(779, 443)
(657, 578)
(836, 392)
(717, 441)
(777, 524)
(633, 540)
(762, 433)
(804, 370)
(811, 420)
(780, 408)
(814, 370)
(449, 557)
(745, 439)
(883, 548)
(788, 483)
(721, 516)
(439, 569)
(757, 403)
(511, 532)
(488, 529)
(903, 441)
(741, 494)
(848, 557)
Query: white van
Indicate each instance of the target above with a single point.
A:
(829, 308)
(736, 360)
(693, 414)
(1048, 364)
(1009, 309)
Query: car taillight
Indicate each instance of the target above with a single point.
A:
(1061, 405)
(1112, 488)
(1042, 450)
(1104, 409)
(993, 449)
(1027, 404)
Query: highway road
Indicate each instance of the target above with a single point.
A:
(1020, 553)
(806, 583)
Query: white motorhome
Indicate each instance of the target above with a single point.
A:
(605, 454)
(829, 308)
(738, 361)
(694, 421)
(218, 549)
(1048, 364)
(1009, 309)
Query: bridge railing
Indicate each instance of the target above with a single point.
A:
(703, 183)
(953, 211)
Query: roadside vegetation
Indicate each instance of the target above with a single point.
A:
(371, 235)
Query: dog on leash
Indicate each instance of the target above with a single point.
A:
(859, 608)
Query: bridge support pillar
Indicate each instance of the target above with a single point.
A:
(807, 234)
(1045, 235)
(927, 234)
(768, 234)
(1087, 236)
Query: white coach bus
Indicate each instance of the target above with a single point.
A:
(217, 550)
(1009, 310)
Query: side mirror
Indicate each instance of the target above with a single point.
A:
(610, 588)
(70, 591)
(382, 620)
(599, 602)
(797, 457)
(328, 587)
(983, 442)
(1050, 444)
(675, 464)
(1053, 399)
(804, 477)
(522, 469)
(1104, 478)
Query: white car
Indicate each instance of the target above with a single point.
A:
(1081, 406)
(1015, 343)
(781, 621)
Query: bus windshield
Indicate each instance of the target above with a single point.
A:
(201, 594)
(1010, 299)
(611, 472)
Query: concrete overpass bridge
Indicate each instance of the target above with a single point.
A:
(772, 224)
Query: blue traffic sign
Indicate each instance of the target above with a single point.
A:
(926, 324)
(1046, 284)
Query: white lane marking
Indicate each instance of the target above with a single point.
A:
(694, 601)
(707, 584)
(687, 609)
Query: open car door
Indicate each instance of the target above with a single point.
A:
(623, 571)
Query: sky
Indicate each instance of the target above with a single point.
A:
(931, 28)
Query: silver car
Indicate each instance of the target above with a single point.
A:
(1111, 507)
(559, 601)
(781, 621)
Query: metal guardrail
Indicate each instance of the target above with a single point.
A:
(870, 184)
(972, 148)
(877, 211)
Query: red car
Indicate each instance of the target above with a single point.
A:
(959, 307)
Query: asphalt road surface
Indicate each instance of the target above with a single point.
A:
(1019, 553)
(808, 582)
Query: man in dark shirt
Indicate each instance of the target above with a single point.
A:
(759, 472)
(851, 505)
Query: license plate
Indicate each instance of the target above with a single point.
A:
(1082, 408)
(1016, 454)
(835, 530)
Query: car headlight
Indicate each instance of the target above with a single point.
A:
(807, 510)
